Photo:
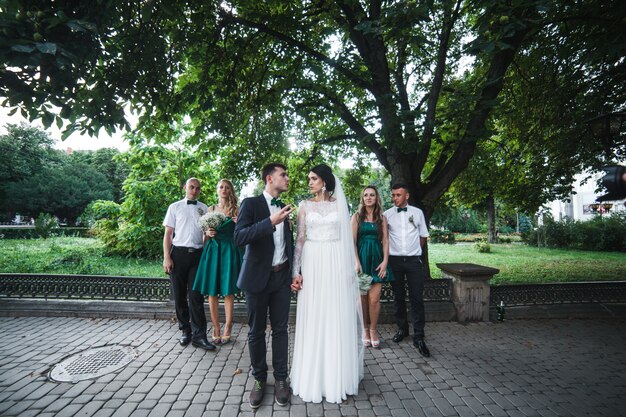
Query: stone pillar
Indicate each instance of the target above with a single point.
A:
(470, 289)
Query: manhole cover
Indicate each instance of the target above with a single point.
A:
(92, 363)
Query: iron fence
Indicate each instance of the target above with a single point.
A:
(138, 288)
(559, 293)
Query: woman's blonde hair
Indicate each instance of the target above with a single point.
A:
(231, 207)
(377, 214)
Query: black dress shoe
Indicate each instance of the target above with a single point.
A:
(203, 344)
(256, 395)
(185, 338)
(400, 335)
(421, 347)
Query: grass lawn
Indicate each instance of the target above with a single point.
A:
(521, 264)
(71, 255)
(517, 263)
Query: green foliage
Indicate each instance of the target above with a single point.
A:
(441, 236)
(460, 220)
(597, 234)
(45, 224)
(30, 233)
(156, 179)
(70, 255)
(483, 247)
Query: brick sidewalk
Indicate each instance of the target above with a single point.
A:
(515, 368)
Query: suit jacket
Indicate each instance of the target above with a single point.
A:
(254, 231)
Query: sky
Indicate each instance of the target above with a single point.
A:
(76, 141)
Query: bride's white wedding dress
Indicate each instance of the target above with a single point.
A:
(328, 352)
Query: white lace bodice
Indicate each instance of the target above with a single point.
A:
(317, 221)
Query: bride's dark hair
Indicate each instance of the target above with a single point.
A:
(327, 176)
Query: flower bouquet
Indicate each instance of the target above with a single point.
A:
(212, 220)
(365, 282)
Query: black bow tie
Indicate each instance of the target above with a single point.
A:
(276, 202)
(401, 209)
(194, 202)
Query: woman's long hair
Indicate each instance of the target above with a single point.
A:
(231, 208)
(377, 213)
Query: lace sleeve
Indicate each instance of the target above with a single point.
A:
(300, 238)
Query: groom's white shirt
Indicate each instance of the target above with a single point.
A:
(280, 257)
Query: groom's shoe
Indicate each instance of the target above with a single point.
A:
(421, 347)
(402, 333)
(185, 338)
(203, 343)
(282, 393)
(256, 395)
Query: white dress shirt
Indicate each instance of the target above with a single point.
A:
(183, 218)
(280, 256)
(405, 230)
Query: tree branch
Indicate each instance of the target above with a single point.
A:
(450, 18)
(301, 46)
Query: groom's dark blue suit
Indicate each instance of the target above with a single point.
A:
(265, 289)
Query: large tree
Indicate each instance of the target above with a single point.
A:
(413, 83)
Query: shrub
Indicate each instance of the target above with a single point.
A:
(597, 234)
(441, 236)
(483, 247)
(44, 225)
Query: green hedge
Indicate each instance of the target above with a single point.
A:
(30, 233)
(598, 234)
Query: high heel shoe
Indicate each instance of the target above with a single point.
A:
(375, 343)
(366, 341)
(225, 340)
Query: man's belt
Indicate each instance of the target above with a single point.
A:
(187, 249)
(278, 268)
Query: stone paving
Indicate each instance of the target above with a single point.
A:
(515, 368)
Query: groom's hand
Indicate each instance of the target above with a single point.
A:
(280, 216)
(296, 283)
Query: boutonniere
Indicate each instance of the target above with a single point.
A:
(200, 212)
(412, 221)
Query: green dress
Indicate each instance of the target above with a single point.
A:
(220, 263)
(371, 252)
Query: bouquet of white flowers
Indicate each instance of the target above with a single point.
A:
(365, 282)
(212, 220)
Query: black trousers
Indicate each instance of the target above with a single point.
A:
(275, 298)
(189, 303)
(408, 269)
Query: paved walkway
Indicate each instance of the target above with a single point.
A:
(515, 368)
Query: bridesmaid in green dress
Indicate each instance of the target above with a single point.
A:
(220, 263)
(369, 229)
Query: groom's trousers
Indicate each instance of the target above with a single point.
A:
(408, 269)
(276, 297)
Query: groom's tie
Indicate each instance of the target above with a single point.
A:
(276, 202)
(401, 209)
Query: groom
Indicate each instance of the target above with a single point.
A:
(265, 278)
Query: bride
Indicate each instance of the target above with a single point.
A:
(327, 353)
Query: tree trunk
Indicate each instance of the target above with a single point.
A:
(492, 235)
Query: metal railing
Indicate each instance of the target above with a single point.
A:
(559, 293)
(97, 287)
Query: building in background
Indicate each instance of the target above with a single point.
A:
(582, 203)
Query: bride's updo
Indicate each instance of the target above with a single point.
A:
(327, 176)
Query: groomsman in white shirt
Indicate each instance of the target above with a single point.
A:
(407, 235)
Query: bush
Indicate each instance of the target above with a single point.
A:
(597, 234)
(483, 247)
(441, 236)
(44, 225)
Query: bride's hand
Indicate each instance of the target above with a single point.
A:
(296, 283)
(357, 266)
